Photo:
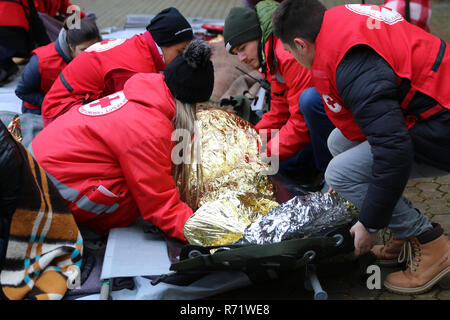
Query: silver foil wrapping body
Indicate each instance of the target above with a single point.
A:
(302, 216)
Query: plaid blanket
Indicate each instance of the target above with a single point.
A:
(43, 253)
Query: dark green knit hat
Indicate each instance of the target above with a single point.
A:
(241, 25)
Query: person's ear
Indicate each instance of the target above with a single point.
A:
(301, 44)
(72, 49)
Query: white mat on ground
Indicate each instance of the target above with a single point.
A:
(8, 99)
(136, 24)
(132, 252)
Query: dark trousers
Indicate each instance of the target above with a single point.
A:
(6, 55)
(315, 156)
(7, 65)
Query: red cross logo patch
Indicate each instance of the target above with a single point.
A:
(104, 105)
(105, 45)
(379, 13)
(331, 103)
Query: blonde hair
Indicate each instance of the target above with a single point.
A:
(189, 186)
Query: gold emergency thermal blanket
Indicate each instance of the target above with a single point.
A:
(14, 128)
(237, 190)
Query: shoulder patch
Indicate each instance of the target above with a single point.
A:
(104, 105)
(378, 13)
(105, 45)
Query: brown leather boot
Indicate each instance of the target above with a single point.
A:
(428, 262)
(387, 254)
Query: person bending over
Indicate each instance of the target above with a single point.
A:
(103, 68)
(111, 159)
(48, 61)
(296, 108)
(384, 83)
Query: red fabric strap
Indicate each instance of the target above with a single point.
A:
(432, 111)
(157, 58)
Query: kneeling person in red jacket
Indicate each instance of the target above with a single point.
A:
(105, 67)
(296, 108)
(385, 86)
(111, 159)
(48, 61)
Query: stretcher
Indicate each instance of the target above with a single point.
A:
(166, 269)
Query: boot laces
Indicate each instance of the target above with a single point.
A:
(410, 253)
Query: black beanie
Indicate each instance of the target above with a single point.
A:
(190, 76)
(241, 25)
(169, 27)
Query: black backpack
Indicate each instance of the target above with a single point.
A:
(10, 183)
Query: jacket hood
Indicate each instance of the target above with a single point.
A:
(62, 47)
(264, 11)
(150, 90)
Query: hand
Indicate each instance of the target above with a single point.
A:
(264, 158)
(364, 241)
(263, 154)
(331, 190)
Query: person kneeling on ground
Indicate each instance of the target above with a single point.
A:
(389, 101)
(48, 61)
(104, 67)
(111, 159)
(296, 108)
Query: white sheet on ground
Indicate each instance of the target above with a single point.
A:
(8, 99)
(122, 33)
(132, 252)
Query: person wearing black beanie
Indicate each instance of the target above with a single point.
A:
(170, 27)
(171, 32)
(123, 146)
(190, 76)
(105, 67)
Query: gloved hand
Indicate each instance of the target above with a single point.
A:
(242, 107)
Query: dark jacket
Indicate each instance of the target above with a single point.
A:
(10, 182)
(29, 87)
(372, 91)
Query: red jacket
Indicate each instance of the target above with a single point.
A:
(50, 64)
(55, 7)
(411, 52)
(99, 71)
(111, 158)
(14, 13)
(288, 80)
(420, 11)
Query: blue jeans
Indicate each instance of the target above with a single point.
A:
(314, 155)
(350, 173)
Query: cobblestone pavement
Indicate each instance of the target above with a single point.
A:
(339, 278)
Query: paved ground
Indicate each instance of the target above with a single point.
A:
(340, 278)
(113, 12)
